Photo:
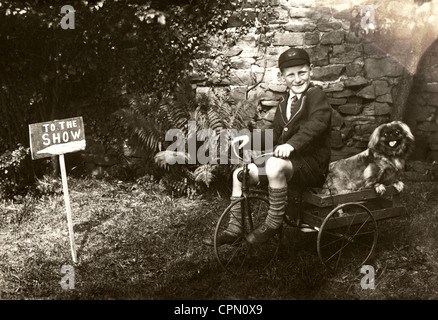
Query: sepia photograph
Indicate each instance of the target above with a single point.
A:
(220, 155)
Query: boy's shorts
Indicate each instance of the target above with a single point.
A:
(307, 172)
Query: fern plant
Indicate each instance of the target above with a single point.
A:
(149, 119)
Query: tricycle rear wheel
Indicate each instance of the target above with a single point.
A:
(347, 236)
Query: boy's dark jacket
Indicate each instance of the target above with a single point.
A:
(309, 128)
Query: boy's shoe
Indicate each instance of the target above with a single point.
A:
(306, 228)
(262, 234)
(224, 238)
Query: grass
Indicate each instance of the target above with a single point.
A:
(135, 242)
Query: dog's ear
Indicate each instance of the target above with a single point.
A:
(406, 129)
(375, 137)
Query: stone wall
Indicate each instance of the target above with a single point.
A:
(422, 110)
(366, 77)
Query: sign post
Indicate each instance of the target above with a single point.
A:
(58, 137)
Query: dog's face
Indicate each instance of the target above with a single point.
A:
(392, 139)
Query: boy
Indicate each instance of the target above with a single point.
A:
(301, 139)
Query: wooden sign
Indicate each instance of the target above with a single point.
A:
(56, 137)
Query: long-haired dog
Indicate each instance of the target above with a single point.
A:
(376, 167)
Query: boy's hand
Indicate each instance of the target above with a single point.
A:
(283, 151)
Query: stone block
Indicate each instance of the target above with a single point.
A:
(382, 87)
(276, 87)
(268, 62)
(345, 58)
(371, 49)
(353, 69)
(242, 77)
(300, 26)
(311, 38)
(347, 47)
(327, 72)
(241, 63)
(377, 68)
(334, 87)
(251, 52)
(275, 51)
(319, 55)
(385, 98)
(329, 26)
(351, 109)
(269, 103)
(270, 75)
(355, 100)
(351, 37)
(295, 12)
(368, 92)
(333, 37)
(346, 53)
(289, 39)
(356, 81)
(301, 3)
(365, 128)
(270, 96)
(233, 51)
(382, 109)
(337, 101)
(343, 94)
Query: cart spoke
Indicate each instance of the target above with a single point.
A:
(365, 233)
(339, 251)
(330, 243)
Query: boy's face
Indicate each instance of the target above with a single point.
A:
(298, 77)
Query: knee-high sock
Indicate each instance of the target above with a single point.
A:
(277, 206)
(235, 222)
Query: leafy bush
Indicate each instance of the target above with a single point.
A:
(14, 172)
(149, 120)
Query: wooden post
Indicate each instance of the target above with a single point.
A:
(67, 206)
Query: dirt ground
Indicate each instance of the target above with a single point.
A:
(135, 242)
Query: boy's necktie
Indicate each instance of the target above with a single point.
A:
(292, 99)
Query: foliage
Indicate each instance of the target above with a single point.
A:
(117, 49)
(213, 118)
(13, 175)
(122, 54)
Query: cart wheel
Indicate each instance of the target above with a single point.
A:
(242, 257)
(347, 236)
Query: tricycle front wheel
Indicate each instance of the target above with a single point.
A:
(241, 257)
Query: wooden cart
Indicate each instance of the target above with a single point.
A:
(346, 223)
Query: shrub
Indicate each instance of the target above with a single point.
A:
(14, 172)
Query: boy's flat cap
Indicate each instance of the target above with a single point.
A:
(293, 57)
